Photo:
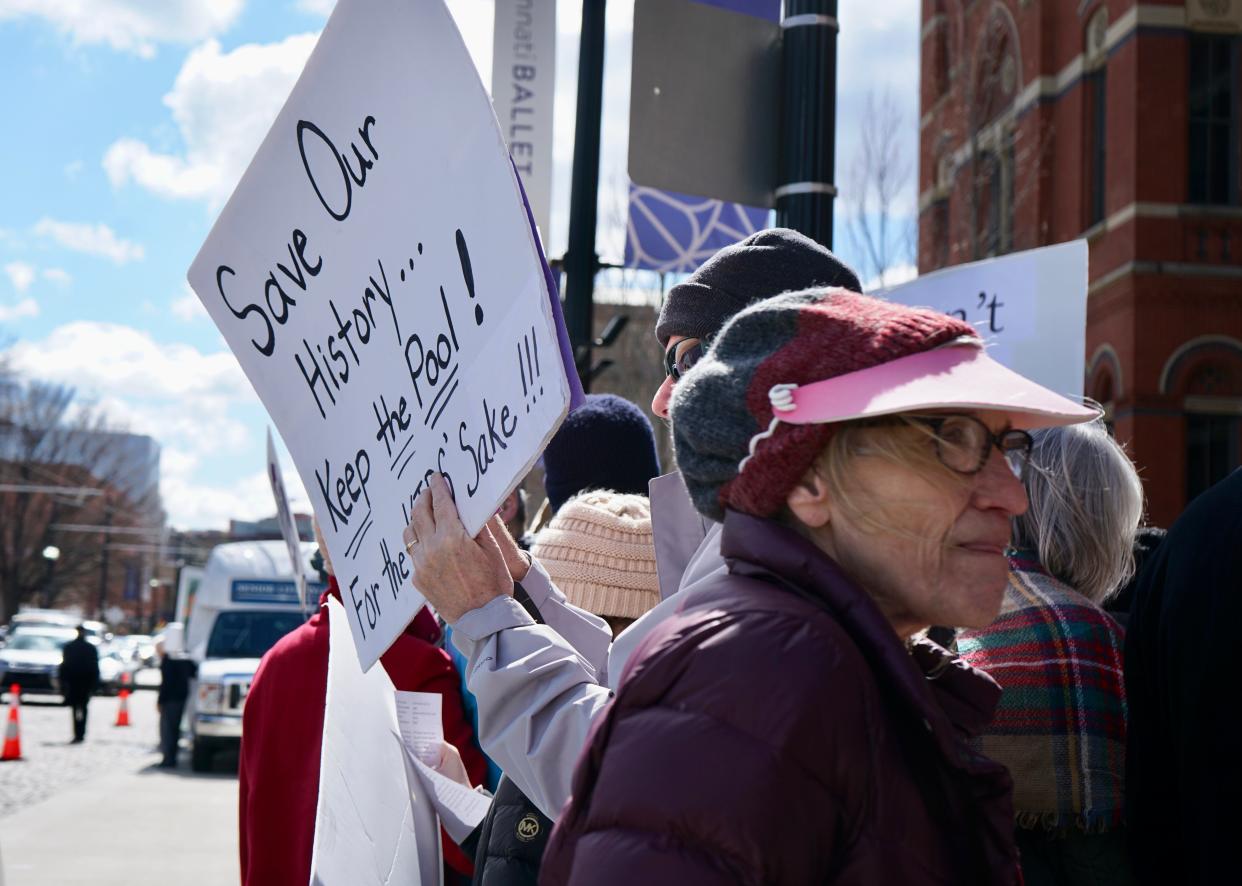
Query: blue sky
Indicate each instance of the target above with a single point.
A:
(127, 125)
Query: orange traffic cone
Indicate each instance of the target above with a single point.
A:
(12, 731)
(122, 713)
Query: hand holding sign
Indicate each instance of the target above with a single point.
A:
(456, 573)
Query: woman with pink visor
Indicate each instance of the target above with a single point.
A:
(791, 724)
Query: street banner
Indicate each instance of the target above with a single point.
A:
(377, 275)
(704, 116)
(284, 519)
(1031, 308)
(372, 827)
(523, 81)
(675, 233)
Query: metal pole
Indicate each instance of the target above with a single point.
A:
(103, 563)
(581, 262)
(805, 189)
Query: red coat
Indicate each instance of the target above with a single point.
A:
(282, 731)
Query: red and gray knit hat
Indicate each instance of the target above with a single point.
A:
(793, 339)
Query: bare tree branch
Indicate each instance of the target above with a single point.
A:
(879, 174)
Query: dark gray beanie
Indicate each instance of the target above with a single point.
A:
(765, 264)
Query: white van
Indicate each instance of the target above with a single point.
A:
(247, 599)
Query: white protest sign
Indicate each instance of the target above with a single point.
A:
(372, 827)
(523, 81)
(284, 519)
(377, 276)
(1031, 308)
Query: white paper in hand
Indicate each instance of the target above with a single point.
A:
(422, 730)
(422, 725)
(460, 808)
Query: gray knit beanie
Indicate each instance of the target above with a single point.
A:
(765, 264)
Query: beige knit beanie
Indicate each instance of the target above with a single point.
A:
(598, 551)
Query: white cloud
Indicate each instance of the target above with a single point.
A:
(126, 362)
(223, 103)
(27, 307)
(98, 239)
(316, 7)
(193, 503)
(189, 401)
(58, 275)
(188, 307)
(134, 26)
(21, 275)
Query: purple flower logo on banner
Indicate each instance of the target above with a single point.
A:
(675, 233)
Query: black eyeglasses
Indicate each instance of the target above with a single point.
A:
(964, 443)
(676, 365)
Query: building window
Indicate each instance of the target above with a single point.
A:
(1095, 115)
(1213, 111)
(1095, 84)
(1213, 450)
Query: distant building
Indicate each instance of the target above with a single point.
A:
(1117, 122)
(268, 528)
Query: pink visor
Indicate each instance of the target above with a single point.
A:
(959, 376)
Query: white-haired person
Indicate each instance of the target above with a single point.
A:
(788, 725)
(1060, 727)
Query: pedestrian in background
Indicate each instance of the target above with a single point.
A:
(176, 672)
(1060, 727)
(787, 725)
(79, 678)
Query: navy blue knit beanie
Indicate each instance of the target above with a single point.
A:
(606, 443)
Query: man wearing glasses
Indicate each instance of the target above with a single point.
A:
(540, 686)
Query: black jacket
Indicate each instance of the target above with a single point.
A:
(1183, 779)
(175, 676)
(512, 840)
(79, 668)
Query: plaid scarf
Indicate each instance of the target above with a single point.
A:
(1060, 726)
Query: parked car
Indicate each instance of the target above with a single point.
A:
(31, 658)
(116, 670)
(139, 648)
(57, 618)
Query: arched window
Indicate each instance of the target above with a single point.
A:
(1206, 374)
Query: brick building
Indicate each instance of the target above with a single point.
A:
(1117, 122)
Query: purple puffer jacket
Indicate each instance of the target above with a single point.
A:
(776, 730)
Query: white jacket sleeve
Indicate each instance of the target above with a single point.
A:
(537, 693)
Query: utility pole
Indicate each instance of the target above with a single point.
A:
(805, 188)
(581, 261)
(103, 562)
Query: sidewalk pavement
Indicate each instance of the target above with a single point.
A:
(135, 827)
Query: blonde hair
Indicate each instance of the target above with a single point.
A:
(898, 439)
(1086, 502)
